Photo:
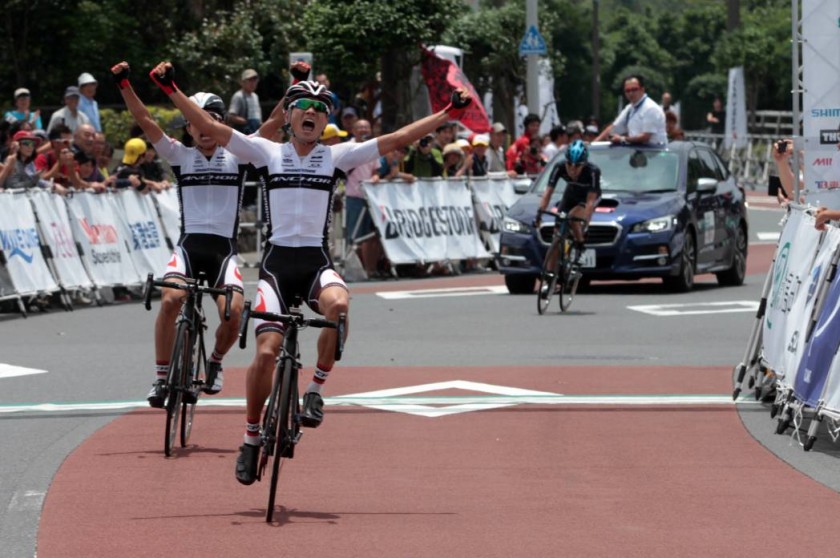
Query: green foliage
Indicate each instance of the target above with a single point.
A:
(349, 37)
(117, 125)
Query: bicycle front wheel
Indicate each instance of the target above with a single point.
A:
(546, 287)
(285, 427)
(569, 286)
(176, 380)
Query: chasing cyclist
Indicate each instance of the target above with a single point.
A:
(302, 176)
(583, 188)
(210, 185)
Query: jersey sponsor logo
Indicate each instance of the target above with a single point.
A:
(260, 302)
(210, 179)
(173, 262)
(237, 274)
(317, 182)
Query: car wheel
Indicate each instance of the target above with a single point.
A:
(520, 283)
(734, 276)
(684, 281)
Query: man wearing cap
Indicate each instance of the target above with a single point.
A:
(87, 103)
(70, 115)
(22, 113)
(480, 163)
(349, 117)
(496, 151)
(332, 135)
(244, 112)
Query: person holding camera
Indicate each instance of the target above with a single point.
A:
(531, 161)
(56, 164)
(782, 155)
(421, 161)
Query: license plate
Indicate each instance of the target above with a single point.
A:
(587, 259)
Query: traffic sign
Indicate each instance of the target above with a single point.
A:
(532, 43)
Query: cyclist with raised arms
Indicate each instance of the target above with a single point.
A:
(583, 188)
(302, 176)
(210, 185)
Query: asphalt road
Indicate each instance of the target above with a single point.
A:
(104, 355)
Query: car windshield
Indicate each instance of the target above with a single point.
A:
(624, 169)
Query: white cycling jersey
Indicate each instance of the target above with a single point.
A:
(209, 189)
(299, 189)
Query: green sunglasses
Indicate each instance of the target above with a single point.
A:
(306, 104)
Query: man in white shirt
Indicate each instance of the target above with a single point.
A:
(87, 103)
(642, 121)
(245, 113)
(70, 115)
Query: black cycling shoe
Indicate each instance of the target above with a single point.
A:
(157, 395)
(246, 464)
(313, 410)
(190, 396)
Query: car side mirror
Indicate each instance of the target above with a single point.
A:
(521, 186)
(707, 185)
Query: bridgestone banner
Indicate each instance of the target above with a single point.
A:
(144, 231)
(103, 239)
(21, 246)
(821, 101)
(493, 197)
(785, 304)
(425, 221)
(58, 235)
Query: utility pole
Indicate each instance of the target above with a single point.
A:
(596, 62)
(532, 76)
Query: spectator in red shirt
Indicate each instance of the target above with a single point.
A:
(523, 142)
(57, 164)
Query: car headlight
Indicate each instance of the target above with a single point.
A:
(514, 226)
(660, 224)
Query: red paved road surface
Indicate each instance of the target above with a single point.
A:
(520, 481)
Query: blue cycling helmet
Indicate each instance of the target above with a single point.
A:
(577, 153)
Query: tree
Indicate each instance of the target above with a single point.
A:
(353, 39)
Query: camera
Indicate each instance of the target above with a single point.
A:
(781, 147)
(424, 142)
(534, 151)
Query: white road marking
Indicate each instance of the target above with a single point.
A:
(27, 500)
(435, 293)
(697, 308)
(421, 404)
(768, 235)
(11, 371)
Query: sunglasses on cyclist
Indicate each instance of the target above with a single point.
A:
(306, 104)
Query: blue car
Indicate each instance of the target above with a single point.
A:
(667, 212)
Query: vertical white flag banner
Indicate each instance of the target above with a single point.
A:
(736, 110)
(821, 101)
(58, 235)
(21, 246)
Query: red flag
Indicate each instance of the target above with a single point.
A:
(442, 77)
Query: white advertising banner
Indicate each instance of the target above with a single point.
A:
(736, 110)
(793, 265)
(21, 246)
(494, 195)
(802, 308)
(170, 213)
(425, 221)
(821, 101)
(101, 235)
(58, 235)
(145, 233)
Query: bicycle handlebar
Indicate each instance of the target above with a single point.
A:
(559, 216)
(294, 320)
(190, 285)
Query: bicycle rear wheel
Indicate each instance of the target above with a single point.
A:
(178, 373)
(194, 383)
(285, 428)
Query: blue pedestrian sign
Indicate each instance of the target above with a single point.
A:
(532, 43)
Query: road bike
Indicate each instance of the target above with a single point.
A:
(564, 276)
(187, 365)
(280, 429)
